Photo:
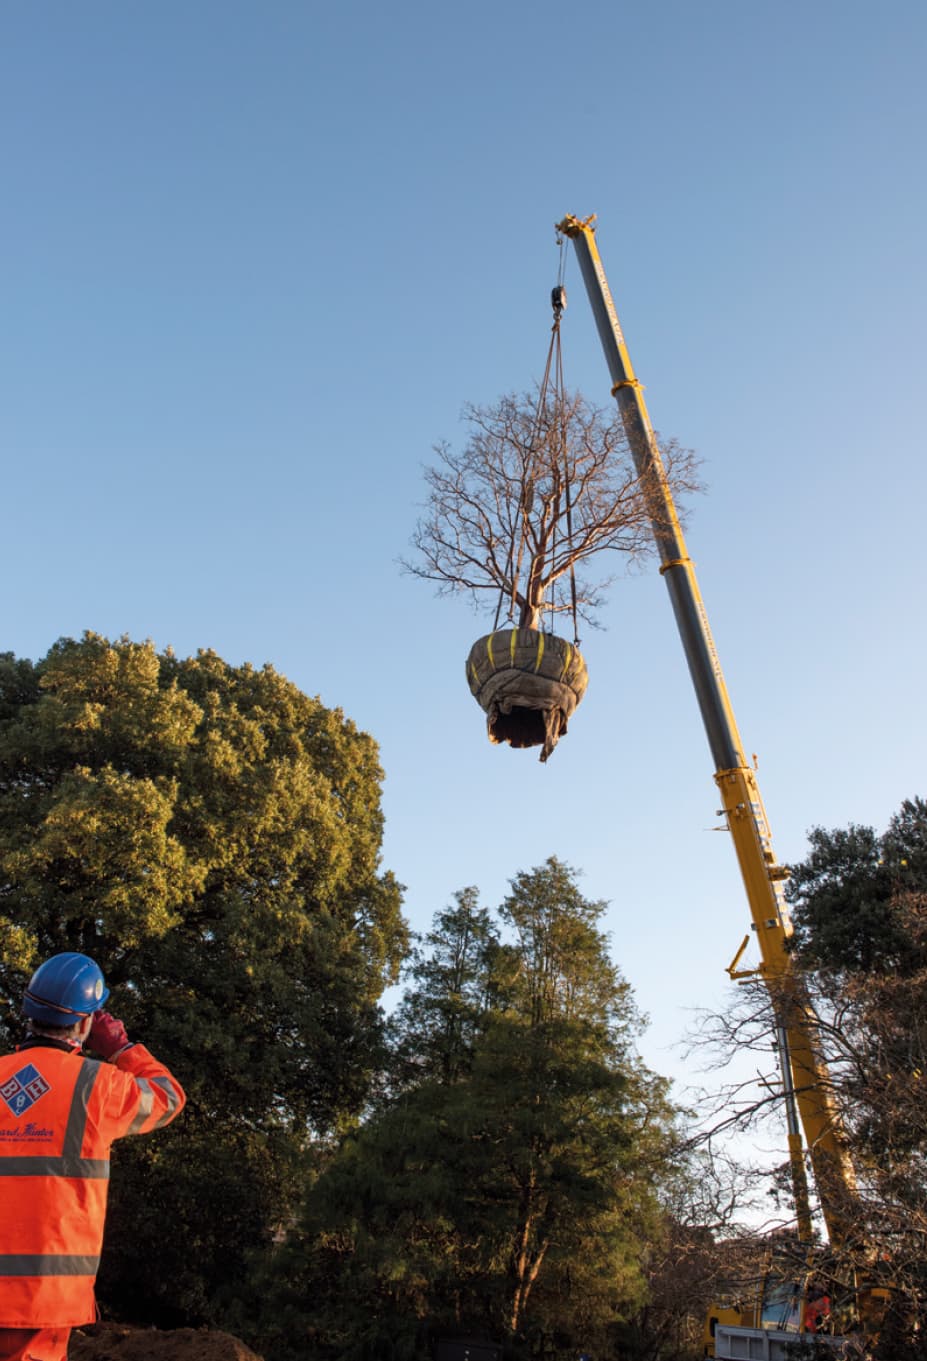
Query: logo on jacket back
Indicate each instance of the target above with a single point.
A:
(24, 1088)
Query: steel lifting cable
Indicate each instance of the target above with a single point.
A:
(555, 361)
(560, 425)
(560, 294)
(561, 400)
(558, 298)
(528, 489)
(527, 486)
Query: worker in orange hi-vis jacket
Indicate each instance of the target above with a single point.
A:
(59, 1114)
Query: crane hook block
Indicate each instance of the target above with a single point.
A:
(558, 299)
(528, 684)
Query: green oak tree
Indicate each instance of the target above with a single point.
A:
(211, 835)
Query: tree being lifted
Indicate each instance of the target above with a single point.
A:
(544, 482)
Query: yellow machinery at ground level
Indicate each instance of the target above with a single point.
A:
(808, 1105)
(783, 1301)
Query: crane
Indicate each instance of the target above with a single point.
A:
(809, 1107)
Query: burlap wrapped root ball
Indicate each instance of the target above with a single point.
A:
(528, 683)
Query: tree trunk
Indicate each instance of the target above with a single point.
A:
(526, 1266)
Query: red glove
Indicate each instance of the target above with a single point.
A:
(107, 1035)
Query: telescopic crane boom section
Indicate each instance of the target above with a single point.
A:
(805, 1078)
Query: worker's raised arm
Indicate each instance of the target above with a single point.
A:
(137, 1094)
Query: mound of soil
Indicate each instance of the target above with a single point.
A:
(116, 1342)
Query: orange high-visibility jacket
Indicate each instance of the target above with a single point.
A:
(59, 1114)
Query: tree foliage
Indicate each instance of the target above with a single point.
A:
(512, 1188)
(859, 901)
(452, 980)
(860, 905)
(211, 835)
(849, 896)
(539, 488)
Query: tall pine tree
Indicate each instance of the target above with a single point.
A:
(511, 1189)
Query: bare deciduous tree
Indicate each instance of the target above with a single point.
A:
(541, 486)
(870, 1022)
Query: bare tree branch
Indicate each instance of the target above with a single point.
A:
(535, 493)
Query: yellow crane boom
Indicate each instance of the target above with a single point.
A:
(806, 1087)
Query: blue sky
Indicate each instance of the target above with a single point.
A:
(255, 259)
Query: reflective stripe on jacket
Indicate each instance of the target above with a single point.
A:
(59, 1114)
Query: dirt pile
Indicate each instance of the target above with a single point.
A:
(115, 1342)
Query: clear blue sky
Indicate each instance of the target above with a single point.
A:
(256, 257)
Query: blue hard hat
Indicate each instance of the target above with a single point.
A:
(65, 989)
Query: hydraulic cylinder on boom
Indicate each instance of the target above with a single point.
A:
(806, 1090)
